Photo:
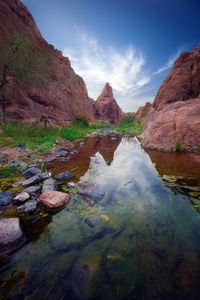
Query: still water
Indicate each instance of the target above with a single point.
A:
(141, 241)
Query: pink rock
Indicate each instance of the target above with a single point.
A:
(107, 109)
(143, 110)
(54, 200)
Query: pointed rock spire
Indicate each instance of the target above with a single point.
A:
(106, 92)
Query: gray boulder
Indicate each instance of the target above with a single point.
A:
(49, 185)
(31, 181)
(21, 198)
(64, 176)
(30, 172)
(11, 235)
(32, 190)
(5, 198)
(30, 207)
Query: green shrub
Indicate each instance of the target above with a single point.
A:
(178, 146)
(81, 121)
(70, 133)
(197, 149)
(127, 120)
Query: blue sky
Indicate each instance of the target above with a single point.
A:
(132, 44)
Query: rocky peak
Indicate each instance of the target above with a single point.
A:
(106, 92)
(107, 109)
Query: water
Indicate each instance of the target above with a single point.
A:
(145, 242)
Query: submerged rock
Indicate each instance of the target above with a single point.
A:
(29, 207)
(92, 190)
(64, 176)
(49, 185)
(5, 198)
(54, 200)
(11, 235)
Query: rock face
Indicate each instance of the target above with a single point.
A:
(183, 82)
(143, 110)
(174, 121)
(54, 200)
(41, 83)
(48, 84)
(11, 236)
(107, 109)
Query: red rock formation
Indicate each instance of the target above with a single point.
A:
(183, 82)
(177, 122)
(49, 85)
(107, 109)
(143, 110)
(174, 120)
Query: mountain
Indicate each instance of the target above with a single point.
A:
(174, 120)
(39, 80)
(107, 109)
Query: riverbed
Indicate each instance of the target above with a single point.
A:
(140, 241)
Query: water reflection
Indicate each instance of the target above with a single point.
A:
(145, 244)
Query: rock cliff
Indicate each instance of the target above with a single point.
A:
(174, 121)
(143, 110)
(107, 109)
(40, 81)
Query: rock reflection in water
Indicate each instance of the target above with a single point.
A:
(143, 244)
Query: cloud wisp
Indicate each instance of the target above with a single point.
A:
(169, 64)
(97, 64)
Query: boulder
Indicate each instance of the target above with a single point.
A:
(92, 190)
(64, 176)
(5, 198)
(49, 185)
(31, 181)
(54, 200)
(32, 190)
(30, 172)
(30, 207)
(11, 235)
(22, 197)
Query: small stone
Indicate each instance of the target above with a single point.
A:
(62, 154)
(82, 144)
(71, 185)
(50, 160)
(49, 185)
(63, 149)
(5, 198)
(54, 200)
(19, 165)
(30, 172)
(29, 207)
(31, 181)
(64, 176)
(32, 190)
(22, 197)
(66, 159)
(74, 152)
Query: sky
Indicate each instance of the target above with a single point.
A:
(132, 44)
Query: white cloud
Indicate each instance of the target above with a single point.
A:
(169, 64)
(125, 69)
